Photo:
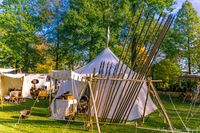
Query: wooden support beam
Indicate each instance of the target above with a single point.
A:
(145, 105)
(161, 106)
(124, 79)
(94, 105)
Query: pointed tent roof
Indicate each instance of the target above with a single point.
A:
(106, 55)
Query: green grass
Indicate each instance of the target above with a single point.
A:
(39, 121)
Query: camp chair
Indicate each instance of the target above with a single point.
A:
(15, 96)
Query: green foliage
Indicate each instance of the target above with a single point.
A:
(166, 71)
(169, 47)
(20, 26)
(86, 23)
(186, 34)
(73, 32)
(5, 56)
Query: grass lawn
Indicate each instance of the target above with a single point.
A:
(39, 122)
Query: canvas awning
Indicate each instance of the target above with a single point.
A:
(3, 70)
(10, 81)
(66, 75)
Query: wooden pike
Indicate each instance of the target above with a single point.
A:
(100, 86)
(113, 85)
(133, 76)
(131, 85)
(152, 55)
(109, 90)
(104, 88)
(101, 71)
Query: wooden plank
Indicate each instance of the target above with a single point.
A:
(123, 79)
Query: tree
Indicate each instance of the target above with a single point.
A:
(167, 71)
(20, 22)
(51, 14)
(85, 25)
(73, 31)
(186, 34)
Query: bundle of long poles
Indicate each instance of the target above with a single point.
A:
(145, 37)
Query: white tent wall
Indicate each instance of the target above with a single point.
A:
(56, 107)
(20, 82)
(138, 108)
(67, 86)
(27, 83)
(3, 70)
(109, 57)
(10, 81)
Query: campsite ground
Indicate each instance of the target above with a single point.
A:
(39, 121)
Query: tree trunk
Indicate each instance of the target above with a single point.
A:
(16, 65)
(57, 54)
(26, 58)
(91, 49)
(58, 39)
(189, 57)
(133, 53)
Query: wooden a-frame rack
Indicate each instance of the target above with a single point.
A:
(151, 89)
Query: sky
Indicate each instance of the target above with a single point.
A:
(195, 3)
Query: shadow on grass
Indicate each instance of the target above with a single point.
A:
(25, 105)
(42, 125)
(40, 113)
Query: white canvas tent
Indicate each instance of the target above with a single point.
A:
(20, 82)
(27, 83)
(3, 70)
(10, 81)
(107, 56)
(70, 79)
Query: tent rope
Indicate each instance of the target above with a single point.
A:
(192, 105)
(178, 113)
(20, 116)
(35, 102)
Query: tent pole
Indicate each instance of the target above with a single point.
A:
(2, 102)
(50, 90)
(73, 106)
(94, 105)
(90, 109)
(161, 106)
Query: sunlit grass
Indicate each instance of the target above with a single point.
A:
(39, 120)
